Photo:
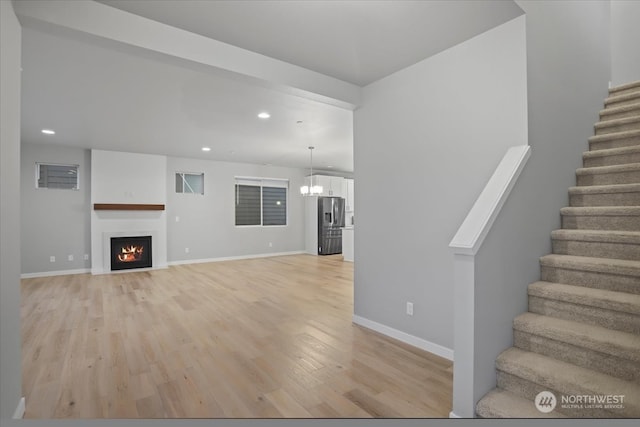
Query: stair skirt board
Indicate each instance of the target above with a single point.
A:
(580, 338)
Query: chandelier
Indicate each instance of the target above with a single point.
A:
(311, 190)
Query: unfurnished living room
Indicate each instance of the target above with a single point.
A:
(179, 232)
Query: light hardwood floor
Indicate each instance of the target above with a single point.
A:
(260, 338)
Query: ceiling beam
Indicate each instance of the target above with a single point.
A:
(108, 23)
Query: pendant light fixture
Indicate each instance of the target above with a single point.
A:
(311, 190)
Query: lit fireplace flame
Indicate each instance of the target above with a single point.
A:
(131, 253)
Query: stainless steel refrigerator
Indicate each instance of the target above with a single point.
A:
(330, 223)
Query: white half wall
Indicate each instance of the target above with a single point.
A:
(427, 139)
(625, 41)
(118, 177)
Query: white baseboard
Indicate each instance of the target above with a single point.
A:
(55, 273)
(234, 258)
(160, 267)
(420, 343)
(19, 412)
(453, 415)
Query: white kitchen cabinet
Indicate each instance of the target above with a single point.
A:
(331, 185)
(336, 189)
(348, 195)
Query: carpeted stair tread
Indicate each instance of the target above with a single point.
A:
(566, 378)
(628, 138)
(604, 189)
(600, 265)
(632, 87)
(617, 310)
(630, 98)
(611, 156)
(614, 174)
(616, 301)
(597, 243)
(621, 111)
(605, 236)
(601, 210)
(605, 195)
(625, 218)
(614, 343)
(500, 403)
(597, 170)
(617, 125)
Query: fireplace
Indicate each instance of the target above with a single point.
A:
(130, 252)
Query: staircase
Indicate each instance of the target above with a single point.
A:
(580, 339)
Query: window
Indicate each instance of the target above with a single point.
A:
(57, 176)
(192, 183)
(261, 201)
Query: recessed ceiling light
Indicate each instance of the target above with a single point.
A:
(264, 115)
(206, 149)
(329, 166)
(48, 132)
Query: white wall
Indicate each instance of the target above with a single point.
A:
(207, 222)
(427, 138)
(625, 41)
(10, 357)
(118, 177)
(568, 71)
(59, 223)
(55, 222)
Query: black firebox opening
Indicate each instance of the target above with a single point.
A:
(130, 252)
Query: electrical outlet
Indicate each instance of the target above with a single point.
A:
(270, 244)
(410, 308)
(186, 250)
(52, 259)
(70, 258)
(177, 219)
(86, 257)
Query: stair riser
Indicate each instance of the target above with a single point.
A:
(628, 177)
(590, 279)
(613, 128)
(620, 159)
(631, 141)
(613, 223)
(620, 114)
(626, 251)
(611, 365)
(630, 89)
(619, 103)
(529, 390)
(605, 199)
(610, 319)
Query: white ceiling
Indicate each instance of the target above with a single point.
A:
(355, 41)
(106, 96)
(100, 97)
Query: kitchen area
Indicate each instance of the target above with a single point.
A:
(330, 217)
